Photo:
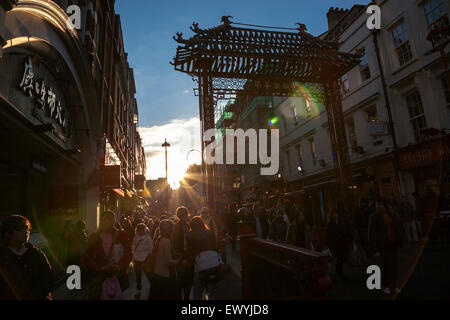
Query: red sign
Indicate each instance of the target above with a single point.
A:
(110, 177)
(425, 154)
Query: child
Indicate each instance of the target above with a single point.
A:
(111, 289)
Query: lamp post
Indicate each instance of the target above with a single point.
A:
(439, 37)
(165, 145)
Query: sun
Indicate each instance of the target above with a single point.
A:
(177, 171)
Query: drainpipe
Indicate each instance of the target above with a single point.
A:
(388, 107)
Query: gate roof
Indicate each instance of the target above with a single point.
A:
(236, 52)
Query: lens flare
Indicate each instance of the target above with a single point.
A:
(306, 93)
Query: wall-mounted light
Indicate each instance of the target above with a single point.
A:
(300, 169)
(360, 150)
(322, 163)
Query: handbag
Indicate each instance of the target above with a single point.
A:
(147, 264)
(209, 266)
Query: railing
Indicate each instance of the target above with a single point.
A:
(272, 270)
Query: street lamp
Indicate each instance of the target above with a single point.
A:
(165, 145)
(439, 37)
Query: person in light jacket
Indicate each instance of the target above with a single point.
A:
(142, 248)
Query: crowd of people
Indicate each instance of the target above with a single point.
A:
(179, 254)
(378, 227)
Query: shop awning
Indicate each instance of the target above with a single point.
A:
(119, 192)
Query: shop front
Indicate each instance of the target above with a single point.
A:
(426, 171)
(48, 124)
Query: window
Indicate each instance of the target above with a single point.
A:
(364, 68)
(401, 43)
(416, 115)
(345, 86)
(313, 151)
(434, 9)
(372, 114)
(352, 134)
(308, 109)
(294, 113)
(446, 90)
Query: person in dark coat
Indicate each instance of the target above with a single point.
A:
(298, 231)
(77, 243)
(199, 239)
(100, 256)
(278, 227)
(25, 273)
(385, 237)
(185, 268)
(362, 224)
(339, 239)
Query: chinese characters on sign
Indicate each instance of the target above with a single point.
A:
(45, 96)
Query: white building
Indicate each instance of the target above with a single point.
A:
(416, 95)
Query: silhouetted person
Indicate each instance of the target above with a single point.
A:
(385, 237)
(25, 273)
(339, 239)
(186, 267)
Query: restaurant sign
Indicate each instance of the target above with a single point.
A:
(48, 105)
(425, 154)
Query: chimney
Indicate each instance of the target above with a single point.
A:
(334, 15)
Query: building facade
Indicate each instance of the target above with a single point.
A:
(395, 107)
(66, 94)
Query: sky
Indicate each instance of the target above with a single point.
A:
(166, 101)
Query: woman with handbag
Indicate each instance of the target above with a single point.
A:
(107, 255)
(202, 250)
(164, 285)
(142, 248)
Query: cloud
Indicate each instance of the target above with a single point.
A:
(183, 136)
(186, 91)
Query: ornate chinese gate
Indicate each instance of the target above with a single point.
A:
(229, 60)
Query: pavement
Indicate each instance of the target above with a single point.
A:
(430, 279)
(422, 274)
(230, 288)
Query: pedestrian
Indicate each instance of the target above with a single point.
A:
(339, 239)
(186, 267)
(278, 228)
(65, 240)
(209, 221)
(408, 220)
(264, 218)
(77, 243)
(362, 224)
(201, 240)
(107, 255)
(297, 233)
(385, 237)
(25, 273)
(128, 228)
(142, 249)
(163, 282)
